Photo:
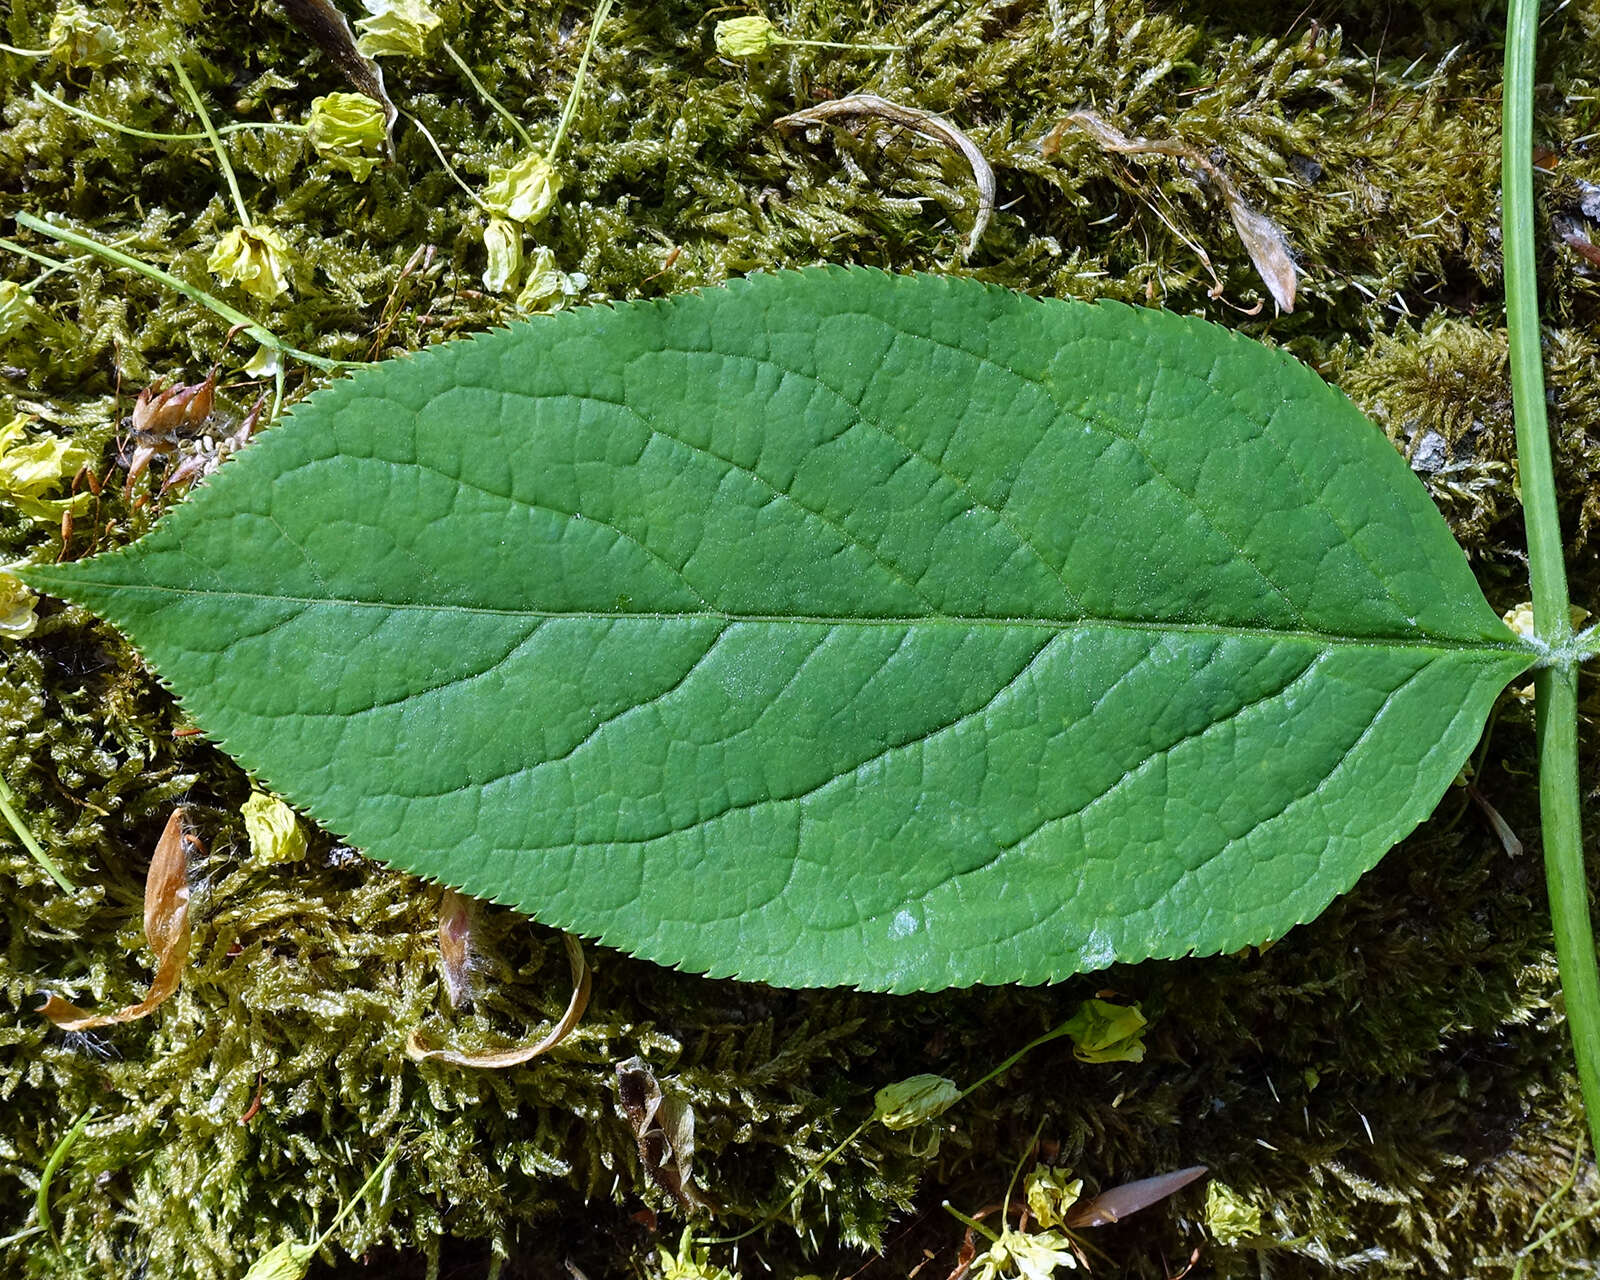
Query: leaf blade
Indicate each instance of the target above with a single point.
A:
(750, 631)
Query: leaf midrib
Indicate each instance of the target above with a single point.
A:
(1443, 644)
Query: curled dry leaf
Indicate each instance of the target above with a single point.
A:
(1117, 1203)
(663, 1124)
(166, 926)
(871, 107)
(420, 1050)
(320, 20)
(1263, 239)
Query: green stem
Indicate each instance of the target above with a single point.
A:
(216, 306)
(516, 125)
(800, 1186)
(1054, 1034)
(1556, 683)
(601, 12)
(25, 53)
(14, 821)
(216, 142)
(264, 126)
(383, 1167)
(52, 1165)
(835, 44)
(438, 151)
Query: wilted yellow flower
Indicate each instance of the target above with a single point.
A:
(347, 130)
(31, 468)
(287, 1261)
(1050, 1193)
(1031, 1256)
(1520, 618)
(399, 27)
(275, 833)
(503, 240)
(546, 287)
(78, 39)
(17, 308)
(1229, 1216)
(908, 1103)
(255, 258)
(691, 1263)
(525, 191)
(1106, 1032)
(745, 37)
(17, 618)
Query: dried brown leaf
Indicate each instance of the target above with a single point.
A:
(870, 106)
(419, 1049)
(166, 927)
(663, 1124)
(455, 947)
(1263, 239)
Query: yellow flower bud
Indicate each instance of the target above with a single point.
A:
(911, 1102)
(524, 192)
(275, 833)
(503, 240)
(746, 37)
(691, 1263)
(396, 27)
(254, 258)
(347, 130)
(79, 40)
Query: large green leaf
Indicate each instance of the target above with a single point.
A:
(836, 627)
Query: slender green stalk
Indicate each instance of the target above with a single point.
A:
(1556, 683)
(438, 151)
(1054, 1034)
(835, 44)
(516, 125)
(242, 126)
(216, 142)
(8, 810)
(52, 1165)
(216, 306)
(601, 12)
(794, 1194)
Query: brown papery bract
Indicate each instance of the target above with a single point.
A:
(1263, 239)
(166, 926)
(420, 1050)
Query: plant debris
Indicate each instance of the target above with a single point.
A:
(166, 926)
(869, 106)
(419, 1049)
(663, 1123)
(1263, 238)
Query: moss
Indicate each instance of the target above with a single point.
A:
(1388, 1084)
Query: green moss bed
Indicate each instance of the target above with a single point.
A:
(1389, 1085)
